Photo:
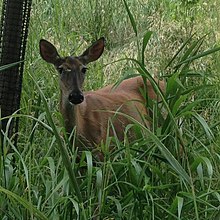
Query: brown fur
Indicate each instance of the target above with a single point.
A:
(92, 115)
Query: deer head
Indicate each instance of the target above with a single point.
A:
(72, 69)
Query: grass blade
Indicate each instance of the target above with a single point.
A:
(206, 53)
(131, 17)
(146, 39)
(24, 203)
(64, 153)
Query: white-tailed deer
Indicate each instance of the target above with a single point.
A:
(91, 111)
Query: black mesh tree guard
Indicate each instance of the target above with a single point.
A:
(13, 37)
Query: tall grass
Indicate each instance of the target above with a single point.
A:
(172, 170)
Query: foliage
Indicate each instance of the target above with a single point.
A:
(171, 171)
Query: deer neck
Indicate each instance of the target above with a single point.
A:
(69, 113)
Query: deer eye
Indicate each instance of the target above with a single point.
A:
(62, 69)
(84, 69)
(67, 70)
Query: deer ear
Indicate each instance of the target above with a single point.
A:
(48, 52)
(94, 51)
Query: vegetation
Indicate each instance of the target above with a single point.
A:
(171, 171)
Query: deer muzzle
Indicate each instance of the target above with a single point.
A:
(76, 97)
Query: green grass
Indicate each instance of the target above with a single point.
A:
(171, 171)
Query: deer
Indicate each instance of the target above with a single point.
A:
(90, 112)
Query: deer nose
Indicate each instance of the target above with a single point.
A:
(76, 98)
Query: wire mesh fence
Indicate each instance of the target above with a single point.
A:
(13, 37)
